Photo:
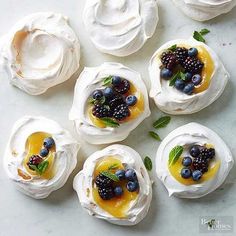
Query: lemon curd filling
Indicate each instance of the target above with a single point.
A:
(117, 206)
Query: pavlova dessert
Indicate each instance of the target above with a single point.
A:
(192, 161)
(109, 102)
(186, 76)
(115, 186)
(40, 156)
(39, 52)
(202, 10)
(120, 27)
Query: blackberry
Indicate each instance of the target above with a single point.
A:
(116, 101)
(34, 160)
(169, 60)
(123, 87)
(102, 181)
(181, 54)
(200, 163)
(101, 111)
(193, 65)
(106, 193)
(207, 153)
(121, 112)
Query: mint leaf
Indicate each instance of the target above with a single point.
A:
(174, 155)
(110, 122)
(204, 31)
(198, 37)
(107, 80)
(42, 167)
(154, 135)
(162, 122)
(174, 78)
(148, 163)
(173, 47)
(110, 175)
(113, 166)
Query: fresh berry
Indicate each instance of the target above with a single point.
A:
(200, 163)
(118, 191)
(132, 186)
(166, 73)
(194, 151)
(48, 143)
(120, 174)
(116, 80)
(196, 175)
(123, 87)
(102, 181)
(97, 94)
(196, 79)
(116, 101)
(169, 60)
(106, 193)
(121, 112)
(186, 173)
(108, 92)
(193, 65)
(188, 76)
(130, 174)
(188, 89)
(187, 161)
(100, 111)
(179, 84)
(44, 152)
(192, 52)
(34, 160)
(207, 153)
(181, 54)
(131, 100)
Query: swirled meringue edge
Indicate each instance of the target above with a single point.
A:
(190, 134)
(84, 180)
(175, 102)
(65, 157)
(90, 79)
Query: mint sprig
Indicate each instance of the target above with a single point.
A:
(162, 122)
(198, 35)
(110, 122)
(174, 155)
(154, 135)
(110, 175)
(41, 167)
(148, 163)
(173, 47)
(107, 80)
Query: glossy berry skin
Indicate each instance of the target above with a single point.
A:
(188, 76)
(132, 186)
(194, 151)
(166, 73)
(130, 174)
(118, 191)
(48, 143)
(120, 174)
(179, 84)
(131, 100)
(187, 161)
(196, 175)
(196, 79)
(192, 52)
(188, 89)
(97, 94)
(186, 173)
(116, 80)
(108, 92)
(106, 193)
(44, 152)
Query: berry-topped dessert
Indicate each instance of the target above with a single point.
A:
(193, 161)
(40, 156)
(114, 185)
(113, 102)
(186, 76)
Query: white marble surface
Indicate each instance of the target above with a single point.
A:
(60, 214)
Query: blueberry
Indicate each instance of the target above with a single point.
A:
(43, 152)
(186, 173)
(132, 186)
(166, 73)
(188, 76)
(118, 191)
(116, 80)
(187, 161)
(196, 175)
(196, 79)
(48, 143)
(97, 94)
(188, 89)
(194, 151)
(179, 84)
(120, 174)
(131, 100)
(108, 92)
(130, 174)
(192, 52)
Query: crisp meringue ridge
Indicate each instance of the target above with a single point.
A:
(92, 79)
(172, 101)
(65, 156)
(188, 135)
(121, 27)
(40, 51)
(83, 183)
